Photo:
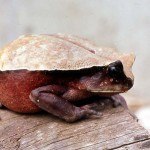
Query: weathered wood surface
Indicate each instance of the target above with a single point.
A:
(116, 129)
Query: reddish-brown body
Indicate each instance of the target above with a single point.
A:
(15, 88)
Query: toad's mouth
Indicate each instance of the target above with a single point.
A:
(106, 93)
(115, 89)
(99, 91)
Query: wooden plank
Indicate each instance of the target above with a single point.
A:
(116, 129)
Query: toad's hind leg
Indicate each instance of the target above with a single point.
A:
(49, 99)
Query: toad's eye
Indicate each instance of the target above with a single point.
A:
(115, 69)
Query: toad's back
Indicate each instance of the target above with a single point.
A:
(59, 52)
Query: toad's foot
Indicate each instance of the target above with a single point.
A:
(119, 100)
(49, 99)
(96, 106)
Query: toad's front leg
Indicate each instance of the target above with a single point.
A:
(49, 98)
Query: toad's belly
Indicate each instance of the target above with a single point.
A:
(15, 88)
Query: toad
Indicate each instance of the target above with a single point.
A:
(53, 72)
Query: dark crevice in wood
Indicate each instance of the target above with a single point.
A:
(131, 143)
(114, 139)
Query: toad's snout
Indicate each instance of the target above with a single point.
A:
(129, 83)
(116, 71)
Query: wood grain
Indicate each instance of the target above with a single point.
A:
(116, 129)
